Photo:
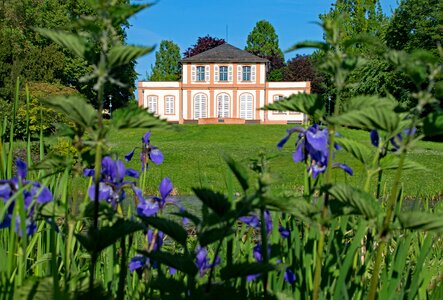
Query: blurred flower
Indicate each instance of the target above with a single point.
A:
(148, 153)
(202, 260)
(254, 221)
(149, 207)
(285, 233)
(138, 262)
(312, 144)
(289, 276)
(34, 191)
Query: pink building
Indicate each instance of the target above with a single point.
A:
(221, 85)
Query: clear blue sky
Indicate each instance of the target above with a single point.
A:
(183, 21)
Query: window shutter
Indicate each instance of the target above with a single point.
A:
(215, 73)
(152, 104)
(203, 106)
(169, 105)
(197, 107)
(239, 73)
(207, 73)
(193, 73)
(230, 73)
(253, 73)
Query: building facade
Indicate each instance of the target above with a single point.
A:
(222, 85)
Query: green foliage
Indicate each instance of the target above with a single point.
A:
(167, 62)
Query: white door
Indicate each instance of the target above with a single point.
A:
(200, 106)
(223, 106)
(246, 106)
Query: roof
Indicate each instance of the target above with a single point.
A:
(225, 53)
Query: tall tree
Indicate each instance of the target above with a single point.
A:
(416, 24)
(167, 62)
(36, 59)
(263, 42)
(302, 68)
(203, 44)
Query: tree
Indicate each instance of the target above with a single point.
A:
(167, 62)
(301, 68)
(416, 24)
(203, 44)
(263, 42)
(34, 58)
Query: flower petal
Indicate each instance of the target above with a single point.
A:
(344, 167)
(129, 156)
(132, 173)
(88, 172)
(165, 187)
(299, 154)
(22, 168)
(375, 139)
(145, 138)
(289, 276)
(284, 232)
(156, 156)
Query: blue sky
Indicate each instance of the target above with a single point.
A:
(183, 21)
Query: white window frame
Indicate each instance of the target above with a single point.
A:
(247, 106)
(247, 71)
(200, 73)
(223, 105)
(152, 104)
(169, 105)
(224, 73)
(200, 106)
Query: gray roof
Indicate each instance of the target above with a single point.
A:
(224, 53)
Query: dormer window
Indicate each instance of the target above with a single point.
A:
(200, 73)
(223, 73)
(246, 73)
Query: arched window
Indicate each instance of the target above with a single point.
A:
(246, 106)
(200, 106)
(152, 104)
(223, 106)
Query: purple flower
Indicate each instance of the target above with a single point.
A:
(312, 145)
(149, 207)
(155, 240)
(112, 183)
(138, 262)
(289, 276)
(375, 139)
(148, 152)
(202, 260)
(34, 191)
(254, 221)
(284, 232)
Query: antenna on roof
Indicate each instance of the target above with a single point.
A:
(226, 33)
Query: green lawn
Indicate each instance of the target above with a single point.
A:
(193, 157)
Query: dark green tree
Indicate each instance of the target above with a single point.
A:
(263, 42)
(416, 24)
(167, 62)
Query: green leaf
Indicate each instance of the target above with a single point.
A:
(212, 235)
(433, 124)
(356, 149)
(75, 108)
(362, 202)
(296, 205)
(309, 44)
(368, 118)
(417, 220)
(309, 104)
(72, 42)
(106, 236)
(135, 117)
(171, 228)
(178, 261)
(53, 164)
(214, 200)
(245, 269)
(391, 162)
(238, 170)
(124, 54)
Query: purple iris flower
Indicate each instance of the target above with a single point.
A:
(284, 232)
(148, 153)
(289, 276)
(313, 144)
(202, 260)
(155, 240)
(112, 183)
(254, 221)
(138, 262)
(258, 256)
(149, 207)
(34, 191)
(375, 139)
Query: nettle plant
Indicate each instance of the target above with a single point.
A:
(332, 241)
